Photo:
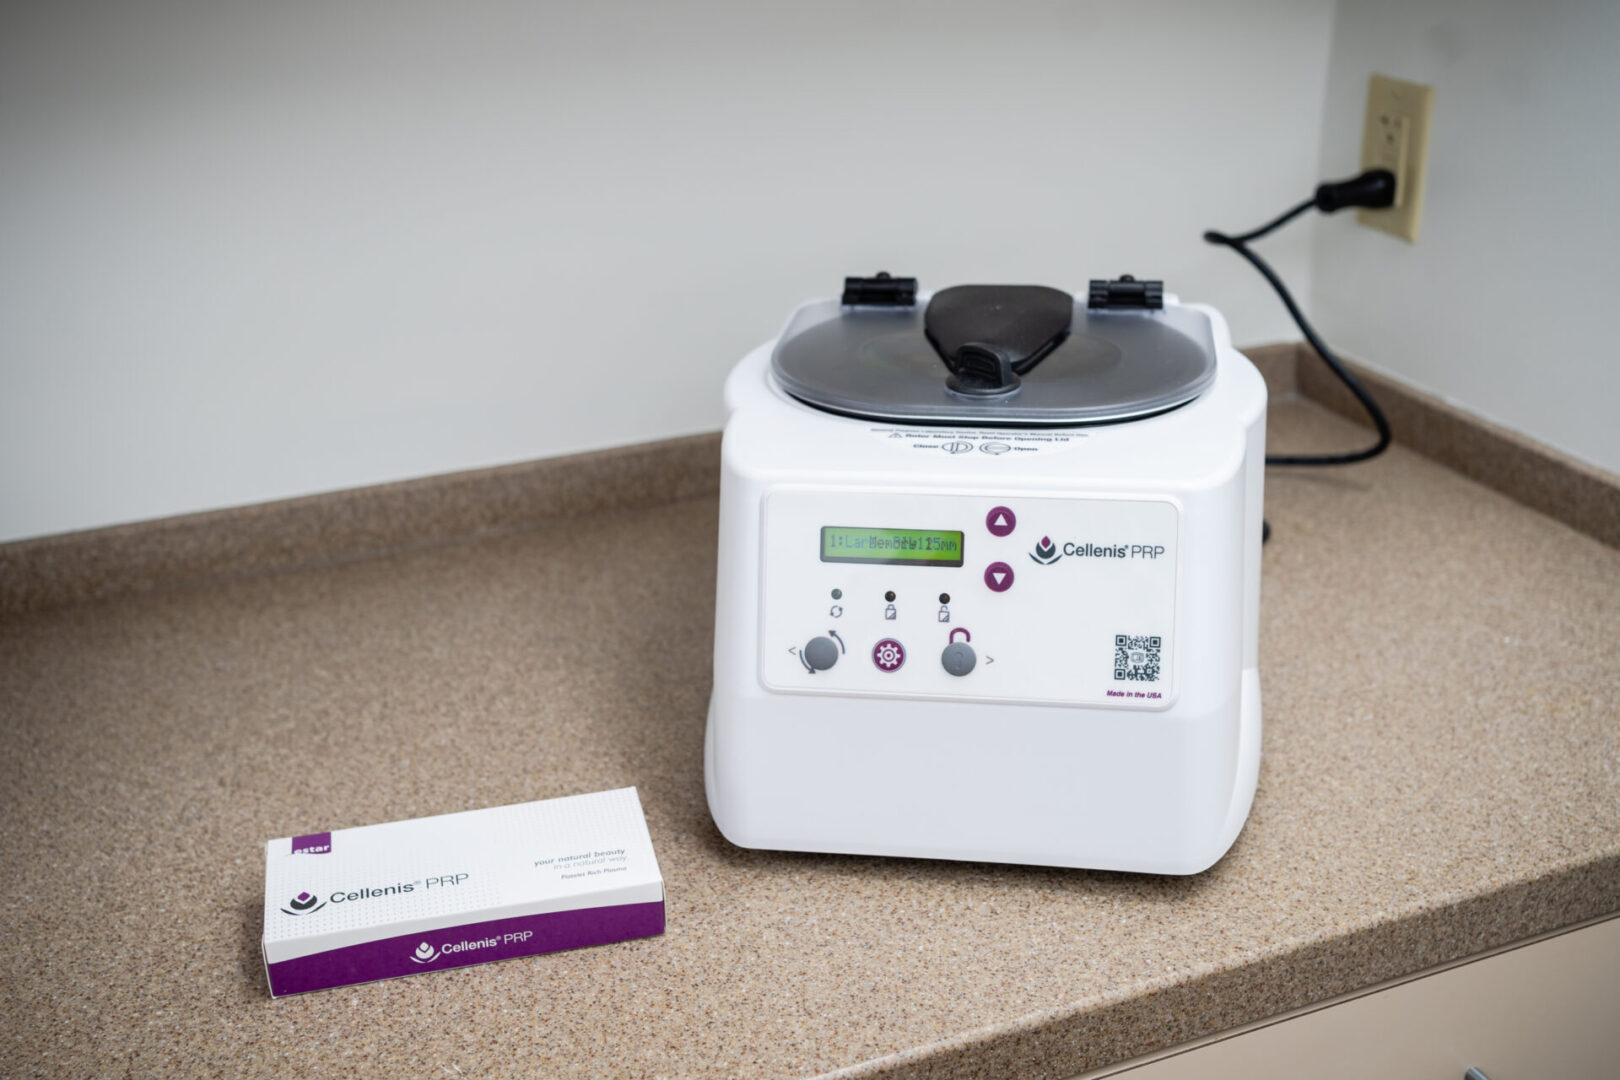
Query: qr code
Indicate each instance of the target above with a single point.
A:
(1136, 658)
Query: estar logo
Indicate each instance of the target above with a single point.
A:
(425, 954)
(303, 904)
(1046, 552)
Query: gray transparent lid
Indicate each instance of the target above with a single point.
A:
(878, 363)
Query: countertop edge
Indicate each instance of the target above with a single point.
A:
(1062, 1043)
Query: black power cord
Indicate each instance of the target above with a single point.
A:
(1374, 188)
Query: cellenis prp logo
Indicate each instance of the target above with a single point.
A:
(303, 904)
(425, 954)
(1046, 552)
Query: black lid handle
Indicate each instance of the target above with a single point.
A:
(982, 369)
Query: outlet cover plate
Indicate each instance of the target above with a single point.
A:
(1395, 136)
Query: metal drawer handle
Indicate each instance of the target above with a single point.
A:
(1475, 1074)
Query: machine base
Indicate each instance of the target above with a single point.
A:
(1244, 779)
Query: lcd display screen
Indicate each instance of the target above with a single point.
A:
(891, 547)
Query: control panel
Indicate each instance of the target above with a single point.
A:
(1062, 600)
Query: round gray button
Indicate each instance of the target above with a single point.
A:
(821, 653)
(958, 658)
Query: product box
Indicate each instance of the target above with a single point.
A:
(382, 901)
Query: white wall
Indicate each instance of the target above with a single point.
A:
(252, 250)
(1505, 305)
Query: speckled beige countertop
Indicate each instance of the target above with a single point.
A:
(1440, 775)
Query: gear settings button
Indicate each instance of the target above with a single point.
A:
(888, 655)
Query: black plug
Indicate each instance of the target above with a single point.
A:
(1374, 189)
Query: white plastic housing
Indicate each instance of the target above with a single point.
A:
(1045, 752)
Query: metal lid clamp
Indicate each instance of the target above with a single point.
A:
(881, 290)
(1126, 293)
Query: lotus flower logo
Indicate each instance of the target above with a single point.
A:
(304, 904)
(425, 954)
(1046, 552)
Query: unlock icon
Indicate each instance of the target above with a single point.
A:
(944, 613)
(890, 613)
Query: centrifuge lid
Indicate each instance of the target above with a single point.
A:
(878, 363)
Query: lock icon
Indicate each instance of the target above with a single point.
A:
(944, 613)
(959, 658)
(890, 613)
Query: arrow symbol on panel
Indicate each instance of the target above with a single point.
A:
(989, 659)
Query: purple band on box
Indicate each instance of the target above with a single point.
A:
(471, 943)
(314, 844)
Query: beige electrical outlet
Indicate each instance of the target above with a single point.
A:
(1395, 136)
